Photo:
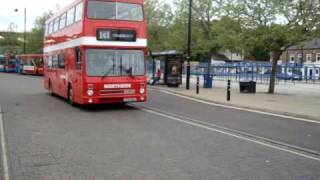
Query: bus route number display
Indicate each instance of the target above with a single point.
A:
(116, 35)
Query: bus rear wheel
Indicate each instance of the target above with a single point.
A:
(70, 96)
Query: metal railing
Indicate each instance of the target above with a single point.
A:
(257, 71)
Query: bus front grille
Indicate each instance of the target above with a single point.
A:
(117, 92)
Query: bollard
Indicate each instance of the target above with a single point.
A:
(198, 84)
(228, 91)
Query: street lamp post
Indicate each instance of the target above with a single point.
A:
(25, 29)
(189, 45)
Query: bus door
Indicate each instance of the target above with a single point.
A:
(50, 72)
(61, 76)
(77, 73)
(54, 75)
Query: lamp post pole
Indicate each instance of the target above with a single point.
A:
(25, 29)
(189, 45)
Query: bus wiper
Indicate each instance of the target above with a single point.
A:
(108, 72)
(129, 71)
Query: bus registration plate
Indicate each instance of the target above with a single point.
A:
(117, 86)
(130, 100)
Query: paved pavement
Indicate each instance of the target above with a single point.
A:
(167, 138)
(301, 100)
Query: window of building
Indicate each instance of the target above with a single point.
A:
(63, 20)
(300, 58)
(292, 58)
(309, 57)
(56, 25)
(318, 57)
(79, 12)
(70, 16)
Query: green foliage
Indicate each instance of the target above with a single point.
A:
(159, 18)
(253, 27)
(35, 37)
(10, 42)
(13, 41)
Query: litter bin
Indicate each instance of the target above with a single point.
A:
(207, 83)
(247, 86)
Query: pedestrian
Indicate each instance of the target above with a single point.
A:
(157, 78)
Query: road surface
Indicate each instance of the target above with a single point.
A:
(167, 138)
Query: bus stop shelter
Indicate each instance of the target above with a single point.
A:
(171, 65)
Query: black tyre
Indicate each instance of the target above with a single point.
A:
(70, 96)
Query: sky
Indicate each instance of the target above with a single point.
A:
(34, 8)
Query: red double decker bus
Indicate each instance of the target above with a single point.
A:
(95, 52)
(31, 64)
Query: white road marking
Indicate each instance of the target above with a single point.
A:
(4, 150)
(242, 109)
(229, 134)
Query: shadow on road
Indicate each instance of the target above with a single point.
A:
(107, 107)
(100, 107)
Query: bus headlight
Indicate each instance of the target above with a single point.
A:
(90, 92)
(142, 90)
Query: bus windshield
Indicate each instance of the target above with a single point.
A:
(115, 11)
(28, 62)
(103, 63)
(12, 62)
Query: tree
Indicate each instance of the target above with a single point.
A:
(159, 17)
(275, 25)
(229, 33)
(35, 37)
(11, 41)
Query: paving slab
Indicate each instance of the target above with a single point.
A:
(290, 99)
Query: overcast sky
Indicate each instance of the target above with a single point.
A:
(34, 8)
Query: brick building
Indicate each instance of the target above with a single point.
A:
(307, 52)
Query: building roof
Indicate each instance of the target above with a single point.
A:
(166, 53)
(219, 57)
(312, 44)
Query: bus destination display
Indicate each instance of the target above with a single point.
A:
(116, 35)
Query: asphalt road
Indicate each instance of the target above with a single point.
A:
(168, 138)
